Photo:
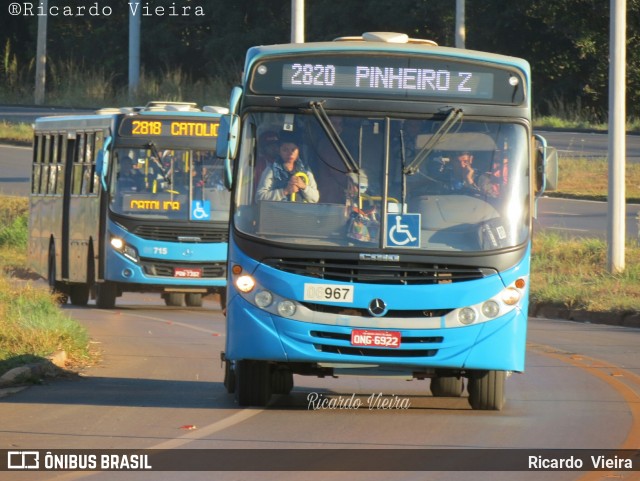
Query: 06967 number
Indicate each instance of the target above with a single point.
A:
(328, 292)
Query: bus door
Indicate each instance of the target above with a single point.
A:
(66, 204)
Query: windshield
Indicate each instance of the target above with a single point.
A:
(445, 184)
(168, 184)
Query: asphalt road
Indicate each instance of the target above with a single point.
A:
(159, 386)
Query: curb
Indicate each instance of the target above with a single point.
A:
(611, 318)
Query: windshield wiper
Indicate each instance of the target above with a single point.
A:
(158, 162)
(334, 136)
(452, 118)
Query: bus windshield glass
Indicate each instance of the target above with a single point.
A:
(383, 182)
(163, 183)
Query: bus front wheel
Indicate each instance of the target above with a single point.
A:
(173, 299)
(252, 383)
(487, 390)
(193, 299)
(106, 293)
(79, 294)
(446, 386)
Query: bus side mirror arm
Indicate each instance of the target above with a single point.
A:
(102, 163)
(227, 144)
(540, 164)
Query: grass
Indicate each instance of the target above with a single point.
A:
(31, 324)
(16, 133)
(572, 273)
(588, 178)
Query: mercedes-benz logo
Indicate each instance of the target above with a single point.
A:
(377, 307)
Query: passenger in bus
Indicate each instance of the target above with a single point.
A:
(492, 182)
(462, 172)
(268, 153)
(288, 178)
(130, 178)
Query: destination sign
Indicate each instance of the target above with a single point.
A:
(387, 77)
(137, 127)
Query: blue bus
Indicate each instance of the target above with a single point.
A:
(130, 199)
(383, 190)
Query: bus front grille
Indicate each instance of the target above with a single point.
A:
(418, 346)
(375, 351)
(156, 268)
(182, 233)
(403, 273)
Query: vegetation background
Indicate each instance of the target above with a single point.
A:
(198, 57)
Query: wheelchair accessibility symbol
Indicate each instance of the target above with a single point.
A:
(200, 210)
(403, 230)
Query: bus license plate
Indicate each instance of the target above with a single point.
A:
(361, 337)
(328, 292)
(187, 272)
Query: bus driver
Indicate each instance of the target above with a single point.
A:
(288, 178)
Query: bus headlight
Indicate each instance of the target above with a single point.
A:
(510, 296)
(263, 299)
(286, 308)
(490, 309)
(467, 316)
(245, 283)
(125, 249)
(117, 243)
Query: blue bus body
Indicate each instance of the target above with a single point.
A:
(415, 258)
(96, 233)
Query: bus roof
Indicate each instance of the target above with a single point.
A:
(374, 42)
(152, 109)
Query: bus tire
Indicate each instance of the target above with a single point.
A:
(193, 299)
(223, 298)
(62, 297)
(447, 386)
(173, 299)
(229, 377)
(487, 390)
(253, 383)
(106, 293)
(79, 294)
(281, 381)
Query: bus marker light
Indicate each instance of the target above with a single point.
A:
(520, 283)
(245, 283)
(236, 269)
